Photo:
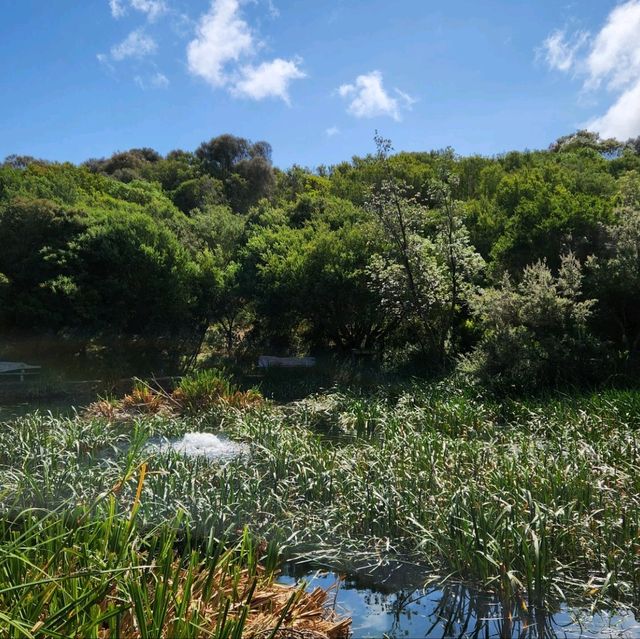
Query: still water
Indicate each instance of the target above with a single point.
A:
(60, 408)
(388, 610)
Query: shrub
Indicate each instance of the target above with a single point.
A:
(210, 387)
(535, 332)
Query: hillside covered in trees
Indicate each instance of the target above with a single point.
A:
(521, 270)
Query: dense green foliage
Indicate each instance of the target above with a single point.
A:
(537, 500)
(424, 258)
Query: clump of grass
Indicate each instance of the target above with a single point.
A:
(96, 573)
(143, 399)
(204, 389)
(196, 393)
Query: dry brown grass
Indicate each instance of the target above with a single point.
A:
(308, 616)
(270, 609)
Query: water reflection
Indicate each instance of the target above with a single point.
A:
(59, 408)
(382, 609)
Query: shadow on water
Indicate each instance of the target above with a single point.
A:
(381, 607)
(58, 408)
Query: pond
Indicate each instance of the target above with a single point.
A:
(58, 408)
(386, 608)
(225, 484)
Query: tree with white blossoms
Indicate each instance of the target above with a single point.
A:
(429, 270)
(535, 331)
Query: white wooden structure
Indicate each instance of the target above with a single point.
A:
(269, 361)
(18, 369)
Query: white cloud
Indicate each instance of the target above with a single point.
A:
(406, 98)
(221, 54)
(159, 81)
(103, 59)
(222, 36)
(269, 79)
(612, 60)
(622, 120)
(332, 131)
(559, 52)
(615, 55)
(117, 8)
(152, 8)
(136, 45)
(274, 12)
(369, 99)
(156, 81)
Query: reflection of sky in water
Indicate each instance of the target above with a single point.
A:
(456, 611)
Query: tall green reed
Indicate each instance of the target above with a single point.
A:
(539, 500)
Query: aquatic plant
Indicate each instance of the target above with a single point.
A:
(91, 572)
(195, 393)
(206, 388)
(539, 501)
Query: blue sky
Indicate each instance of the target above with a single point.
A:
(84, 79)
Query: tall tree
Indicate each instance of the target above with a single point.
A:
(426, 274)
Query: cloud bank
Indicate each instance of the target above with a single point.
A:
(609, 60)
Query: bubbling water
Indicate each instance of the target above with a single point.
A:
(204, 445)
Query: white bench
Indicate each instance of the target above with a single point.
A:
(269, 361)
(18, 369)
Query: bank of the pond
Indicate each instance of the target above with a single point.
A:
(538, 502)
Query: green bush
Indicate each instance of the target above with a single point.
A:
(535, 332)
(207, 388)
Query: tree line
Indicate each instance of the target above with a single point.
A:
(521, 270)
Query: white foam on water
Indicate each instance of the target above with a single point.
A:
(205, 445)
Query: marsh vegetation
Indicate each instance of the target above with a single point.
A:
(535, 501)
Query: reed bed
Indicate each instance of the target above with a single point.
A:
(78, 573)
(539, 501)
